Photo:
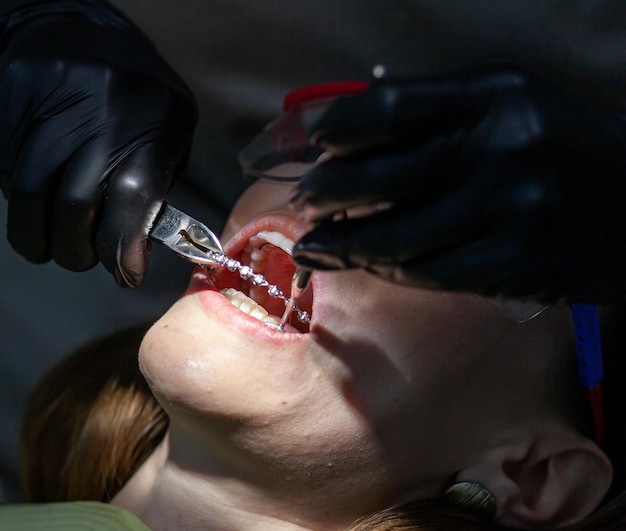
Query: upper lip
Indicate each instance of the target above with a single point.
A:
(288, 225)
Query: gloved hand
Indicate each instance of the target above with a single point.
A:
(94, 126)
(497, 183)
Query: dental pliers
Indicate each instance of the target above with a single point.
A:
(195, 242)
(187, 237)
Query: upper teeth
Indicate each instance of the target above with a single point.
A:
(277, 239)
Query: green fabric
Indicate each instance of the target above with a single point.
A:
(71, 516)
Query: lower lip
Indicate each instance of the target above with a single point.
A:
(203, 287)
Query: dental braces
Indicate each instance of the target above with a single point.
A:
(256, 279)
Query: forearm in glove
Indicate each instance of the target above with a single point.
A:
(94, 126)
(495, 183)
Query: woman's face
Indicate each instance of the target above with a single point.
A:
(384, 396)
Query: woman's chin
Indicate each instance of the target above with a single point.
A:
(207, 356)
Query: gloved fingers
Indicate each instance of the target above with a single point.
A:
(77, 206)
(27, 227)
(14, 116)
(31, 191)
(491, 266)
(133, 197)
(399, 111)
(392, 238)
(381, 176)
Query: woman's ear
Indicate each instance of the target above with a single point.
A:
(555, 480)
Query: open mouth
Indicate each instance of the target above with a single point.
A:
(266, 252)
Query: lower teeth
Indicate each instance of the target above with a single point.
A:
(247, 305)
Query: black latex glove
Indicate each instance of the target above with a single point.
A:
(93, 128)
(498, 184)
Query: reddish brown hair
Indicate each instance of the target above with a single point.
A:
(90, 423)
